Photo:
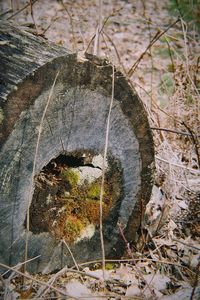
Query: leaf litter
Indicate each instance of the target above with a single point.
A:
(167, 80)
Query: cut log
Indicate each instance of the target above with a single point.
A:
(53, 118)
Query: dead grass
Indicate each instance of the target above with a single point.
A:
(165, 73)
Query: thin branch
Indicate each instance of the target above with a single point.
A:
(42, 291)
(104, 23)
(20, 10)
(177, 165)
(121, 231)
(116, 51)
(32, 14)
(196, 281)
(103, 173)
(6, 12)
(172, 131)
(72, 256)
(36, 280)
(194, 142)
(71, 24)
(156, 37)
(53, 20)
(98, 31)
(185, 244)
(22, 263)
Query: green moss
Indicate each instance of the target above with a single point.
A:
(94, 191)
(71, 175)
(110, 266)
(73, 227)
(1, 116)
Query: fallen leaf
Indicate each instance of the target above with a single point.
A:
(76, 289)
(2, 43)
(157, 281)
(133, 290)
(182, 204)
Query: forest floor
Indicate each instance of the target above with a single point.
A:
(160, 55)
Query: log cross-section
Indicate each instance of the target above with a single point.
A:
(63, 198)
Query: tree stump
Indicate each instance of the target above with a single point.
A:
(53, 118)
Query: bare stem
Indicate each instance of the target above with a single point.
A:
(103, 173)
(34, 167)
(156, 37)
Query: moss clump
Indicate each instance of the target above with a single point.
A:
(72, 176)
(73, 227)
(94, 191)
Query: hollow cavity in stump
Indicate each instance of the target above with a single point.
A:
(66, 198)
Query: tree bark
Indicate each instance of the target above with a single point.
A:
(73, 129)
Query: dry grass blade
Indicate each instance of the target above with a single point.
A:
(103, 173)
(101, 29)
(98, 31)
(34, 166)
(23, 8)
(178, 165)
(71, 24)
(19, 265)
(138, 271)
(156, 37)
(173, 131)
(72, 256)
(34, 279)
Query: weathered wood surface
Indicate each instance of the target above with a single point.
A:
(75, 122)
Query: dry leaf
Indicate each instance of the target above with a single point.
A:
(182, 204)
(2, 43)
(76, 289)
(133, 290)
(157, 281)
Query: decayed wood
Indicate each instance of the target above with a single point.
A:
(75, 122)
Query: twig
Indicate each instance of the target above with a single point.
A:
(156, 37)
(34, 167)
(98, 31)
(185, 244)
(20, 10)
(121, 231)
(104, 23)
(42, 291)
(173, 131)
(32, 15)
(53, 20)
(177, 165)
(92, 39)
(36, 280)
(103, 173)
(194, 142)
(71, 24)
(72, 256)
(196, 281)
(6, 12)
(184, 26)
(21, 264)
(170, 54)
(116, 51)
(133, 260)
